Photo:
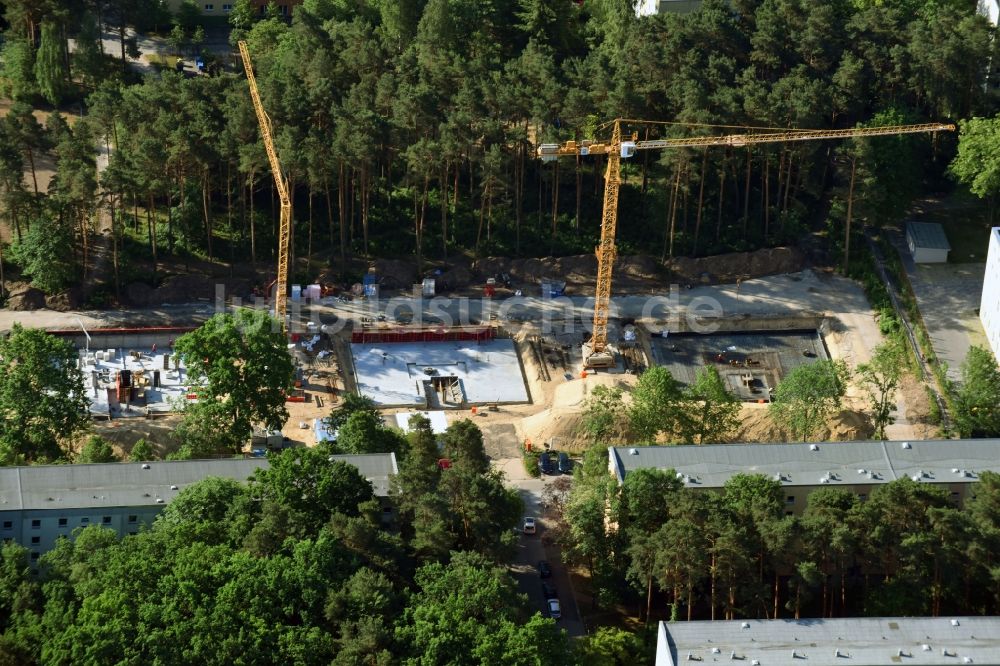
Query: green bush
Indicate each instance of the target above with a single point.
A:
(530, 460)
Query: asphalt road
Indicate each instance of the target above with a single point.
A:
(530, 551)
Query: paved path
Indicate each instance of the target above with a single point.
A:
(926, 375)
(530, 551)
(948, 297)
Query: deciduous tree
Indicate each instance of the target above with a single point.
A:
(808, 396)
(977, 411)
(658, 406)
(713, 412)
(239, 366)
(311, 486)
(605, 417)
(977, 163)
(42, 402)
(880, 378)
(97, 450)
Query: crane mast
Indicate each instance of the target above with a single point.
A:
(597, 353)
(285, 222)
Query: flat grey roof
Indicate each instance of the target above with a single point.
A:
(929, 235)
(802, 464)
(129, 484)
(863, 641)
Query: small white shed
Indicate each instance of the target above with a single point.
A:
(927, 242)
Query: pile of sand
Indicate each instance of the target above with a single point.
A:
(758, 426)
(561, 424)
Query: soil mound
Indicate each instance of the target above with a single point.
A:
(729, 267)
(758, 426)
(65, 301)
(138, 293)
(183, 289)
(395, 273)
(458, 277)
(25, 297)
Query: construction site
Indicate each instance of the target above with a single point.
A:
(520, 378)
(522, 367)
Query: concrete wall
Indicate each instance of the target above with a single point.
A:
(755, 322)
(663, 655)
(989, 306)
(124, 340)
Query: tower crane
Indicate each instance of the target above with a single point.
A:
(285, 222)
(597, 353)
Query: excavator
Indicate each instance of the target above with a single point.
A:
(598, 353)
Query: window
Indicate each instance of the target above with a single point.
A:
(790, 499)
(36, 540)
(34, 557)
(106, 520)
(133, 519)
(209, 8)
(36, 523)
(133, 533)
(863, 497)
(788, 513)
(227, 8)
(62, 522)
(8, 524)
(84, 520)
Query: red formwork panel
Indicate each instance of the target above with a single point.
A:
(483, 334)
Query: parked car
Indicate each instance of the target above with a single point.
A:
(555, 612)
(529, 525)
(549, 590)
(544, 570)
(545, 465)
(565, 464)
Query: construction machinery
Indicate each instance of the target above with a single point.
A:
(285, 222)
(597, 353)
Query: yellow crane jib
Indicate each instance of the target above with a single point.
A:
(597, 353)
(285, 221)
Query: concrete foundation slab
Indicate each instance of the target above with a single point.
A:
(439, 375)
(156, 387)
(750, 363)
